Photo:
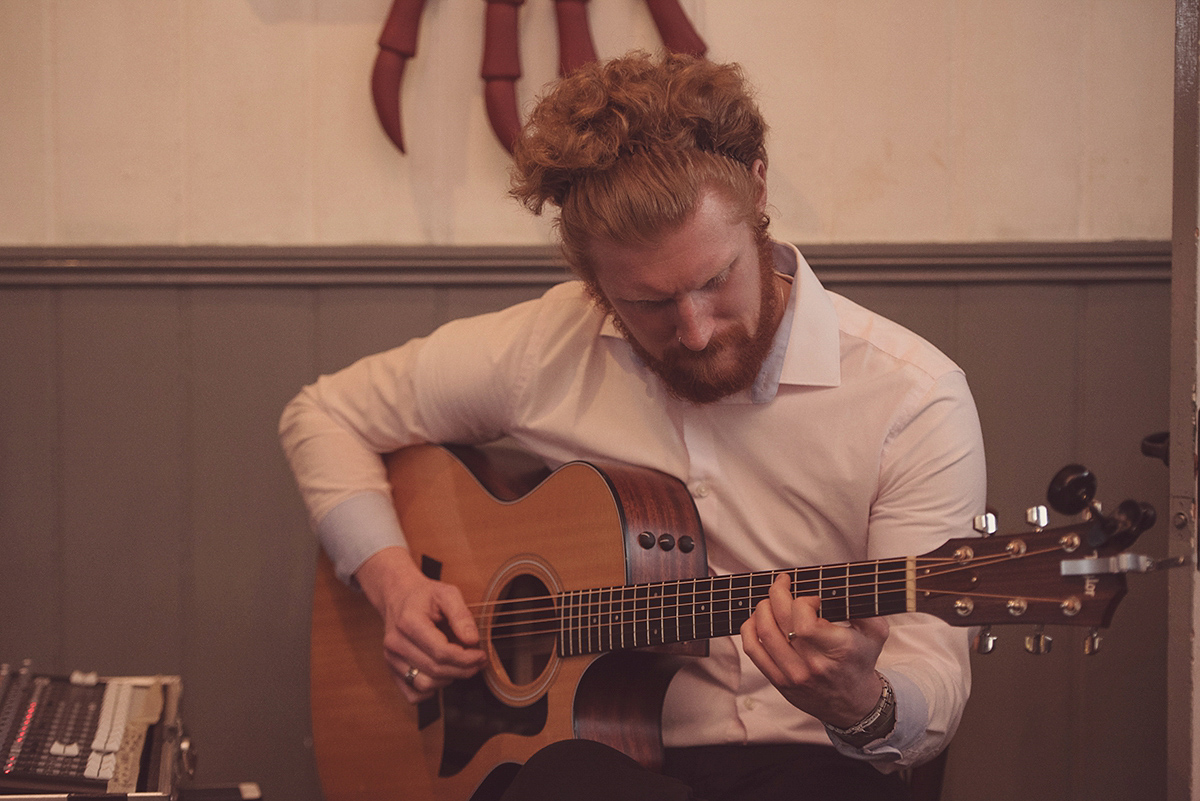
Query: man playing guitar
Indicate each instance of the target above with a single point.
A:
(806, 429)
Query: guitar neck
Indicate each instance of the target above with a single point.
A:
(614, 618)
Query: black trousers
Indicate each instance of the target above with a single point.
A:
(580, 770)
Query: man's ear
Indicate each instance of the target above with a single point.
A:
(759, 169)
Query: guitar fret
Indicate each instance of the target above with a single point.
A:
(741, 603)
(577, 620)
(686, 599)
(562, 625)
(806, 582)
(615, 619)
(832, 590)
(669, 619)
(566, 612)
(894, 598)
(722, 619)
(578, 635)
(609, 634)
(703, 608)
(875, 590)
(589, 622)
(600, 636)
(604, 624)
(628, 607)
(641, 605)
(862, 597)
(598, 627)
(580, 617)
(654, 610)
(760, 586)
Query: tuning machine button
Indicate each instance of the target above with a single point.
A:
(1092, 642)
(1037, 516)
(1039, 642)
(985, 641)
(1071, 490)
(985, 524)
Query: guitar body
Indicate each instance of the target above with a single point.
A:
(572, 574)
(496, 539)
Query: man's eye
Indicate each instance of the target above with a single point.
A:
(717, 280)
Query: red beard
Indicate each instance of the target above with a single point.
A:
(708, 375)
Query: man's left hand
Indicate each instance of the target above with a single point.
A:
(826, 669)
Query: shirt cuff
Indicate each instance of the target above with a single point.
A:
(356, 529)
(912, 717)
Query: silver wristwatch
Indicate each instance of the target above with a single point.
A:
(878, 723)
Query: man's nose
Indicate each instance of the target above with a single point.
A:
(694, 325)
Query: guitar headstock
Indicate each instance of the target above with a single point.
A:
(1016, 578)
(1073, 575)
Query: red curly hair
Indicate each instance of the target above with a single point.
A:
(625, 148)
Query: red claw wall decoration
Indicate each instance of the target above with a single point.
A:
(501, 58)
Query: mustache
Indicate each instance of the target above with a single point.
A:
(684, 357)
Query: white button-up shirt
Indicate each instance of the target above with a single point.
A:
(859, 441)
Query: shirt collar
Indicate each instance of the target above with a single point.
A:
(814, 347)
(806, 350)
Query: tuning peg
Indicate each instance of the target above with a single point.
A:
(1136, 516)
(1037, 516)
(985, 524)
(985, 641)
(1122, 527)
(1071, 490)
(1092, 642)
(1039, 642)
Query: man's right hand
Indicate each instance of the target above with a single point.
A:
(430, 637)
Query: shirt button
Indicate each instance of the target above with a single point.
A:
(749, 704)
(701, 491)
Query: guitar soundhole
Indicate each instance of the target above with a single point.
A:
(524, 629)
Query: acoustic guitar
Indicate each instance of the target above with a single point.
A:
(588, 581)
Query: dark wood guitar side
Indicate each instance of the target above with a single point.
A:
(582, 580)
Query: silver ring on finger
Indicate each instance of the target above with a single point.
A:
(410, 676)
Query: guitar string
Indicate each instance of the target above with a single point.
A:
(865, 580)
(579, 623)
(900, 579)
(483, 606)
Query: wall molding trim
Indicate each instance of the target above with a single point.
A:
(398, 265)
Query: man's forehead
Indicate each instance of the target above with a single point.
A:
(652, 277)
(690, 255)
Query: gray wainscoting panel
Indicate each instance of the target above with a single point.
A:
(122, 478)
(252, 560)
(357, 321)
(1124, 375)
(31, 558)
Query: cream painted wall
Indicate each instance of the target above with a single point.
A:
(249, 121)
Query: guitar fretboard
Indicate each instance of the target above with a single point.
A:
(614, 618)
